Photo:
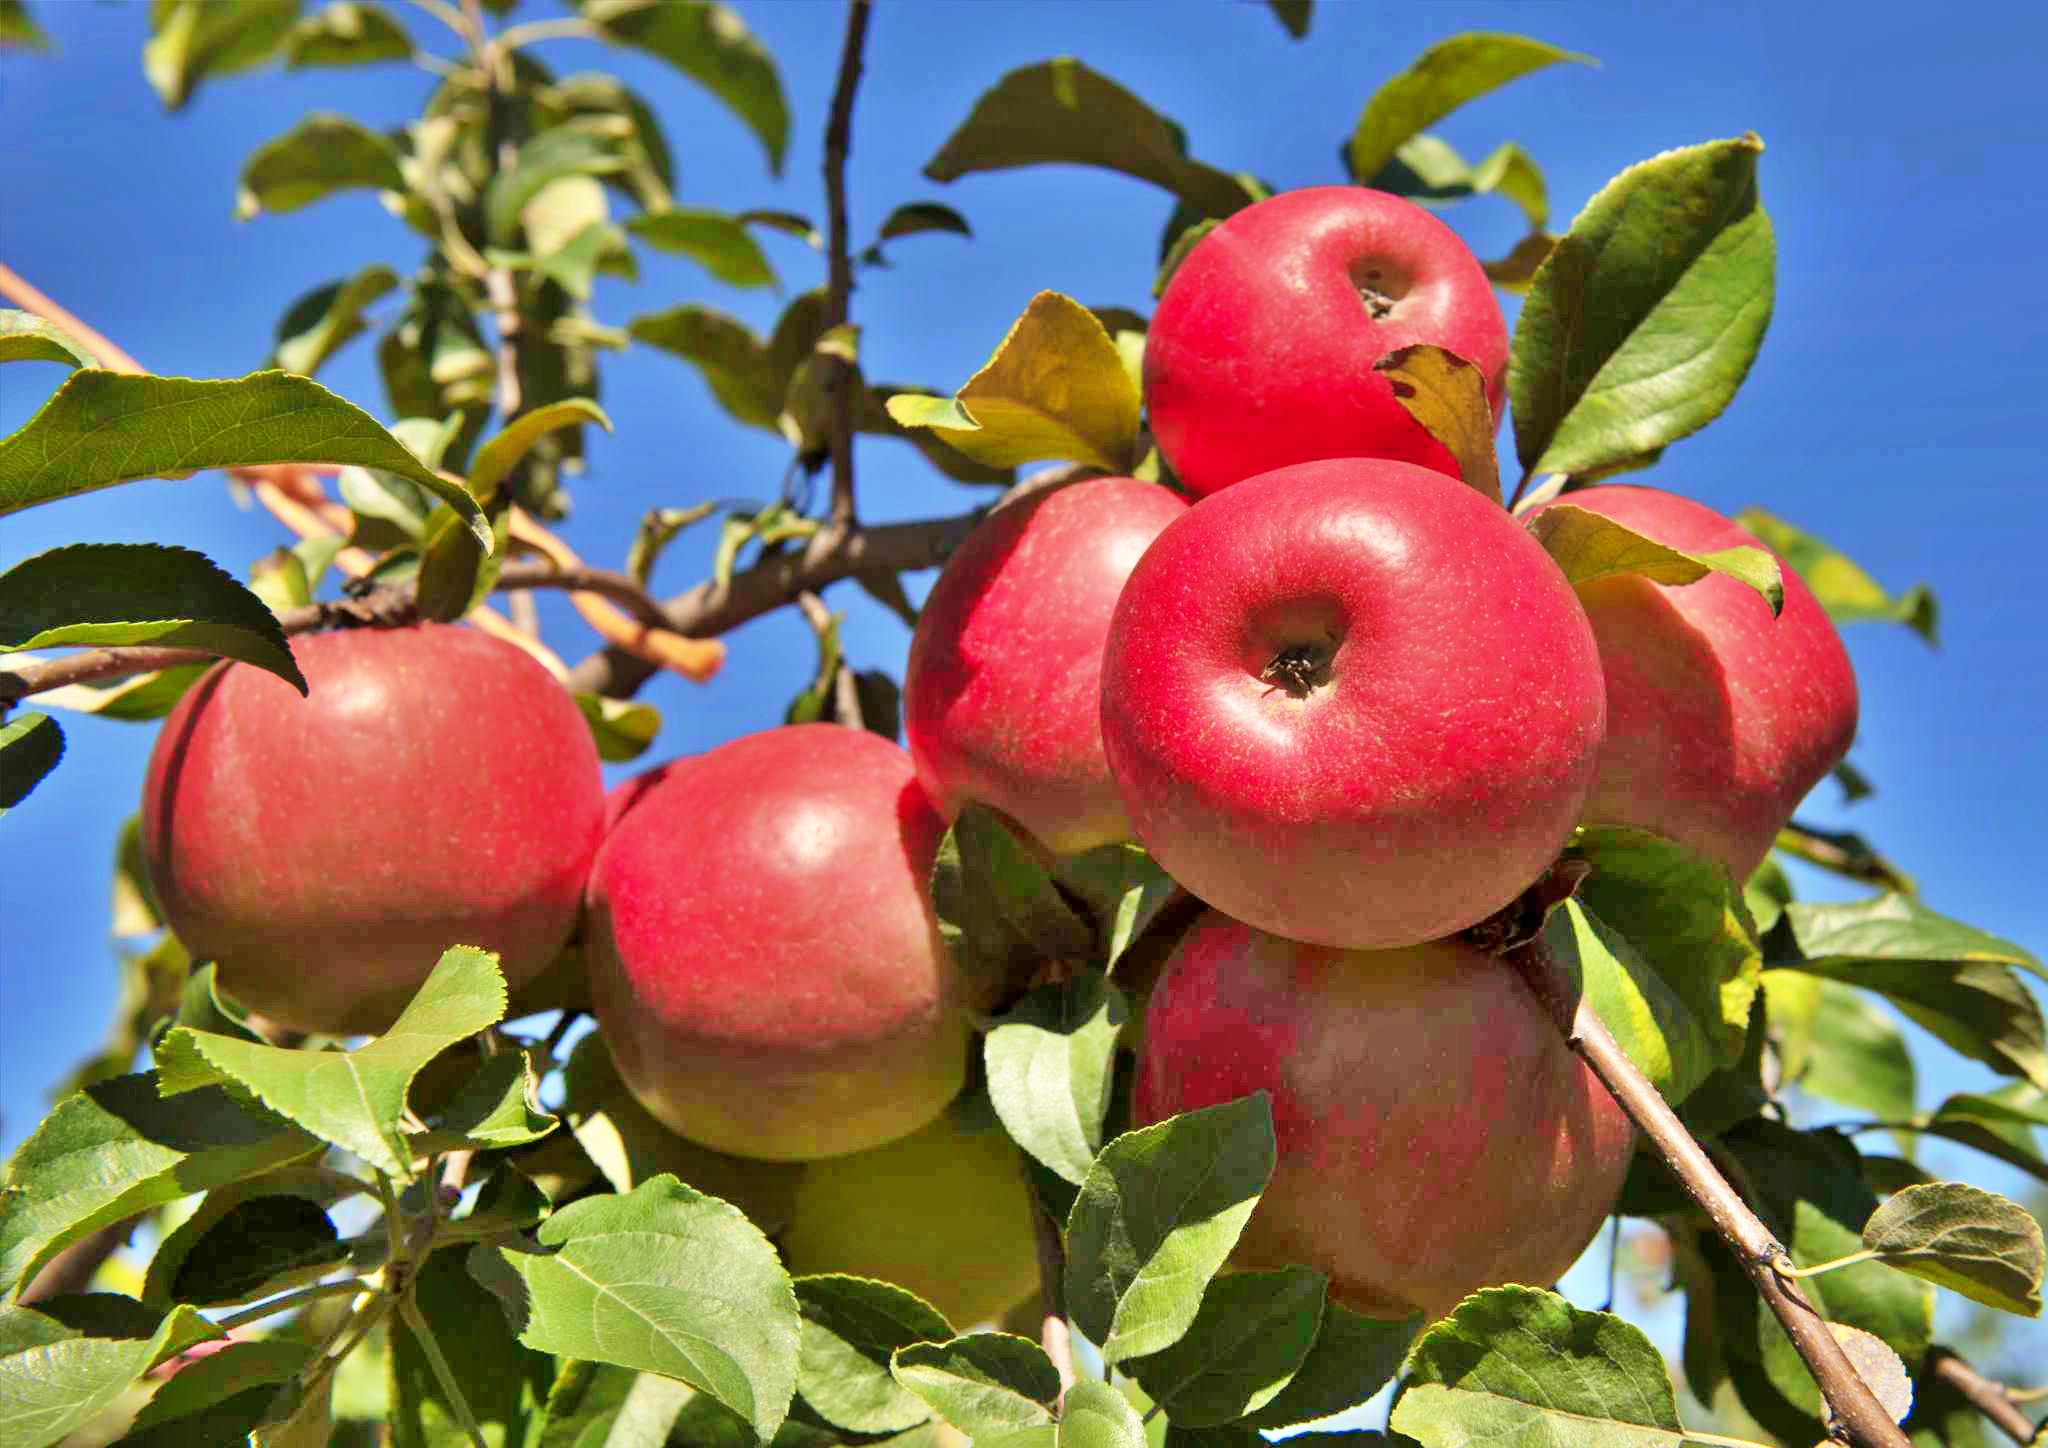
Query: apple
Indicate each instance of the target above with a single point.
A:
(763, 960)
(1719, 717)
(1435, 1133)
(942, 1212)
(1261, 353)
(1002, 698)
(1351, 702)
(436, 788)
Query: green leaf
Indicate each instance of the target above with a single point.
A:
(574, 265)
(324, 320)
(917, 217)
(25, 337)
(1644, 320)
(1354, 1356)
(1515, 1364)
(871, 416)
(504, 1384)
(597, 1405)
(347, 32)
(1837, 1043)
(1970, 1241)
(1683, 916)
(1159, 1212)
(1443, 78)
(1847, 593)
(291, 1239)
(1060, 111)
(1657, 1030)
(218, 1398)
(320, 156)
(584, 147)
(54, 1378)
(667, 1280)
(116, 1149)
(1253, 1333)
(191, 41)
(1055, 388)
(1051, 1062)
(139, 593)
(19, 29)
(1953, 980)
(712, 46)
(732, 359)
(1124, 888)
(255, 1248)
(497, 1108)
(31, 745)
(852, 1328)
(496, 457)
(1998, 1123)
(351, 1098)
(988, 1384)
(1589, 546)
(103, 428)
(623, 728)
(1095, 1415)
(717, 242)
(998, 910)
(1294, 14)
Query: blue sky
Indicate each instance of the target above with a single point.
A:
(1894, 408)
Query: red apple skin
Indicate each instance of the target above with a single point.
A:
(765, 967)
(436, 788)
(1003, 695)
(1262, 351)
(1719, 717)
(1435, 1134)
(1435, 770)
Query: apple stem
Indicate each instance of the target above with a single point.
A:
(1849, 1399)
(840, 376)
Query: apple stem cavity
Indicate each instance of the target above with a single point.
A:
(1300, 669)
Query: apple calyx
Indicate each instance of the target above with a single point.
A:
(1300, 669)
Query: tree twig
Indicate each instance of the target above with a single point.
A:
(1849, 1399)
(1987, 1397)
(17, 289)
(838, 145)
(1053, 1333)
(73, 1269)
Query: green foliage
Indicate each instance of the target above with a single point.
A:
(25, 337)
(1847, 593)
(347, 32)
(999, 910)
(504, 1386)
(191, 41)
(852, 1330)
(1644, 320)
(1353, 1357)
(1051, 1062)
(326, 319)
(55, 1376)
(1253, 1332)
(1973, 1242)
(1056, 388)
(320, 156)
(1061, 111)
(137, 593)
(108, 429)
(357, 1098)
(1158, 1212)
(665, 1279)
(985, 1385)
(1442, 78)
(1589, 547)
(31, 745)
(717, 242)
(711, 45)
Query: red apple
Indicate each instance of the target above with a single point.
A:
(765, 966)
(1435, 1134)
(1351, 702)
(437, 788)
(1003, 697)
(1262, 351)
(1719, 717)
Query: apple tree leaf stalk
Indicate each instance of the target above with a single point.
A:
(1850, 1402)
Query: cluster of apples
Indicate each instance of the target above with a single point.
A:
(1347, 702)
